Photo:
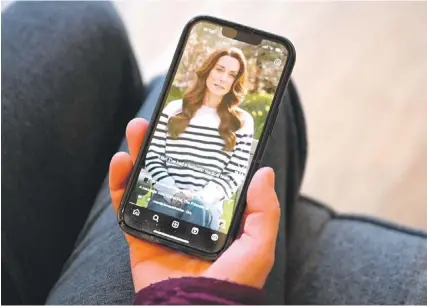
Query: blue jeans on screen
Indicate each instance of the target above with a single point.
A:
(208, 216)
(196, 211)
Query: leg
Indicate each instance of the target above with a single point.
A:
(286, 154)
(98, 271)
(70, 85)
(153, 205)
(200, 213)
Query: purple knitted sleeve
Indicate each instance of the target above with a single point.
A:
(200, 290)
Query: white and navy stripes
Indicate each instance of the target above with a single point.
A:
(196, 160)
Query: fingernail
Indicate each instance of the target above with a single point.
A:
(270, 177)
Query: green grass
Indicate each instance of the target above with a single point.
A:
(143, 200)
(227, 213)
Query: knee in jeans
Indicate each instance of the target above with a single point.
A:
(71, 26)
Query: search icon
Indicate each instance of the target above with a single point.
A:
(156, 218)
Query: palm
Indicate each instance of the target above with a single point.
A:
(152, 263)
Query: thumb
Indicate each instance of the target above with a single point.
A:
(250, 257)
(262, 210)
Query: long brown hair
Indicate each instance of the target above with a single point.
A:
(230, 117)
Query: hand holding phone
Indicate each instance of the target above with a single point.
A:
(247, 261)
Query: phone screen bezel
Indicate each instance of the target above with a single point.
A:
(241, 203)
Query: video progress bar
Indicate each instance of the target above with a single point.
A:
(170, 236)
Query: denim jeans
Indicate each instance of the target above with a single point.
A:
(70, 85)
(208, 216)
(192, 212)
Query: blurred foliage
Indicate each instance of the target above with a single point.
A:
(258, 106)
(175, 93)
(262, 74)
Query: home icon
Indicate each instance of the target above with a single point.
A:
(136, 212)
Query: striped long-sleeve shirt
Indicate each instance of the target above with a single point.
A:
(196, 160)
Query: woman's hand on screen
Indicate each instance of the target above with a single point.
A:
(181, 197)
(247, 261)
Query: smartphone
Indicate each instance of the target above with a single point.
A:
(218, 105)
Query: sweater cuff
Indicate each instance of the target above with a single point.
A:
(200, 290)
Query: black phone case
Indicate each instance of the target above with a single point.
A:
(241, 204)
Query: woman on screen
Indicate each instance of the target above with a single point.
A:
(201, 147)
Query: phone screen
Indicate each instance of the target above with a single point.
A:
(204, 139)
